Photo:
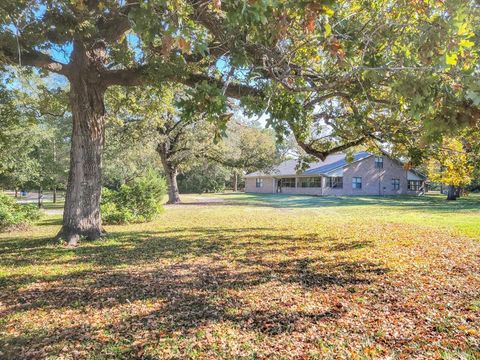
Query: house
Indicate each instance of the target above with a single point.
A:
(367, 174)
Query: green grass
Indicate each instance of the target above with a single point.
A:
(252, 276)
(462, 215)
(49, 205)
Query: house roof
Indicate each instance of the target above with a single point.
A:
(288, 167)
(331, 163)
(325, 168)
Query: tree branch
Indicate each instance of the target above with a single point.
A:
(29, 57)
(310, 149)
(113, 28)
(140, 76)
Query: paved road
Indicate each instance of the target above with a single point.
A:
(32, 198)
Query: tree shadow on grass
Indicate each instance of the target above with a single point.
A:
(190, 295)
(134, 247)
(164, 246)
(191, 272)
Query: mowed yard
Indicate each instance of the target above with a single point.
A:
(245, 276)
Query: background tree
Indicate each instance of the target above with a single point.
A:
(128, 154)
(245, 148)
(155, 120)
(450, 165)
(35, 137)
(204, 176)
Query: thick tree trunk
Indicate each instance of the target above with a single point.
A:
(171, 173)
(173, 193)
(81, 216)
(452, 193)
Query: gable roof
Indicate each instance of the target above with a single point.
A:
(337, 164)
(333, 161)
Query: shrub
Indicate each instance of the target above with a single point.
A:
(135, 202)
(14, 215)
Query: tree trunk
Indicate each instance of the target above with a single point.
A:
(16, 193)
(54, 195)
(81, 216)
(452, 193)
(39, 198)
(173, 193)
(235, 181)
(171, 174)
(458, 191)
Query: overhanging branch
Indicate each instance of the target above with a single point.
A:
(28, 57)
(141, 76)
(310, 149)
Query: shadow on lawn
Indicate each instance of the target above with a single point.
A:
(191, 295)
(192, 276)
(130, 248)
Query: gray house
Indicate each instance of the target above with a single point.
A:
(367, 174)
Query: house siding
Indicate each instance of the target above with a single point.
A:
(374, 181)
(268, 183)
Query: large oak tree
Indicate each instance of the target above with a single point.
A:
(101, 54)
(334, 73)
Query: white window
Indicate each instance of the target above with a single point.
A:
(259, 183)
(287, 182)
(396, 184)
(314, 182)
(378, 162)
(335, 182)
(357, 182)
(414, 185)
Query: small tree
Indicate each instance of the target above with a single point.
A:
(153, 120)
(450, 165)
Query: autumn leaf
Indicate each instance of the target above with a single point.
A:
(183, 45)
(310, 23)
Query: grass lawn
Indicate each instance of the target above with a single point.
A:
(252, 276)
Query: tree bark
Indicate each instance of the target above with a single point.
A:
(81, 216)
(39, 198)
(16, 193)
(173, 193)
(171, 173)
(458, 191)
(452, 193)
(235, 181)
(54, 195)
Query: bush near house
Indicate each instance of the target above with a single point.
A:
(135, 202)
(14, 215)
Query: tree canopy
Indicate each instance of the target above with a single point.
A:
(335, 74)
